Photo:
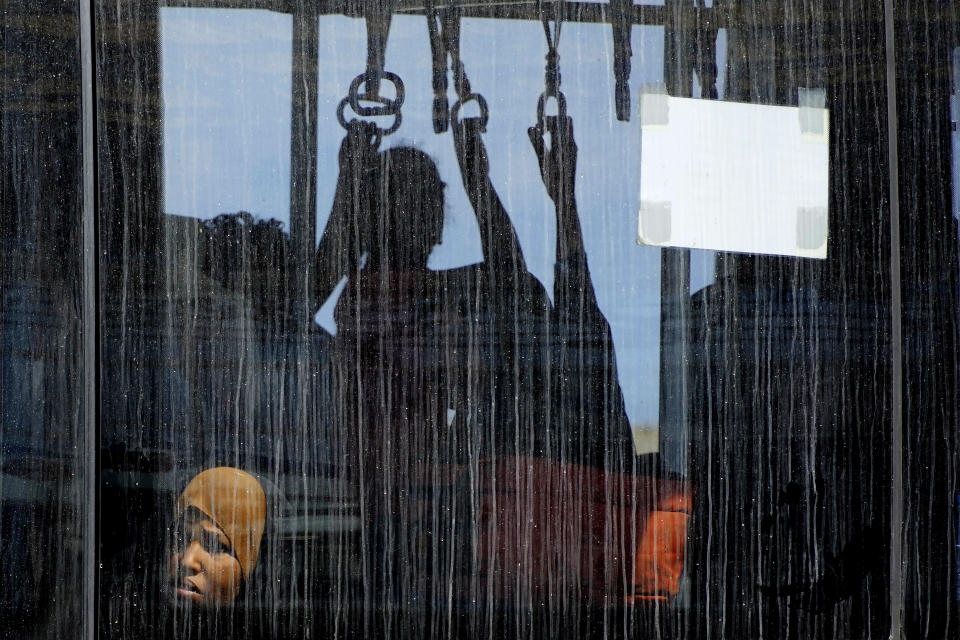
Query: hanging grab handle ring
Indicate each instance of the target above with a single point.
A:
(552, 69)
(542, 104)
(379, 133)
(481, 102)
(382, 107)
(387, 106)
(444, 29)
(378, 27)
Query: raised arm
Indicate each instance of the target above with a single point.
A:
(586, 375)
(558, 168)
(497, 234)
(343, 240)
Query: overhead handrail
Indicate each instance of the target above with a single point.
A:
(378, 17)
(552, 69)
(444, 28)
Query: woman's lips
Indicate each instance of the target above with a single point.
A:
(187, 589)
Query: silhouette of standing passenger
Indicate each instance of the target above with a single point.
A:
(438, 367)
(391, 358)
(432, 363)
(386, 219)
(434, 369)
(428, 365)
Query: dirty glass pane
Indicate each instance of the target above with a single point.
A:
(928, 36)
(388, 352)
(789, 384)
(44, 466)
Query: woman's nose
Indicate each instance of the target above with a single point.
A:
(191, 558)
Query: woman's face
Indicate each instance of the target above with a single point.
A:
(203, 568)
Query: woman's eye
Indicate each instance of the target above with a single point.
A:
(213, 543)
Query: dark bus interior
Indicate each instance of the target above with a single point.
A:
(805, 446)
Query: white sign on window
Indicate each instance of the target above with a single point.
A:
(734, 177)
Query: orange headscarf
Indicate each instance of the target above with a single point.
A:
(236, 502)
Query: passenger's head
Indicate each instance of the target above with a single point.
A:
(220, 521)
(408, 215)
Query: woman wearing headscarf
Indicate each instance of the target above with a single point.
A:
(228, 575)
